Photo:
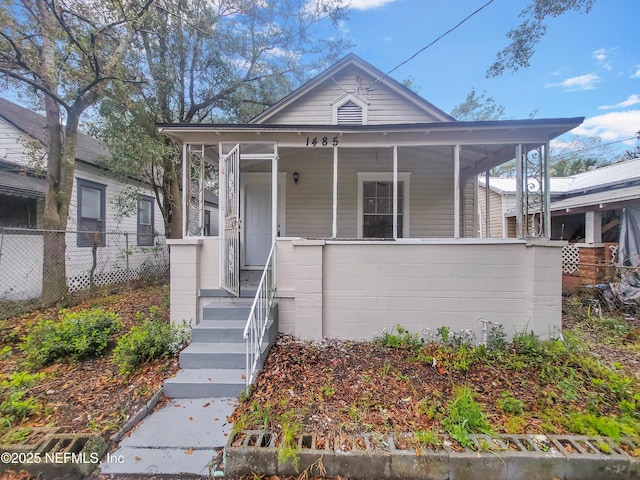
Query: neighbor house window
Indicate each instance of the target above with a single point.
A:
(145, 221)
(91, 213)
(375, 205)
(18, 212)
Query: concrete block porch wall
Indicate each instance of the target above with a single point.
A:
(355, 289)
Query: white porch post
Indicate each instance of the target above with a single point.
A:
(222, 200)
(334, 225)
(547, 192)
(201, 192)
(487, 208)
(395, 192)
(519, 193)
(456, 191)
(185, 191)
(274, 193)
(593, 227)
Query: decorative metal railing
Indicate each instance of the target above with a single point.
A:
(256, 326)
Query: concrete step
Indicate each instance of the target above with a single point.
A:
(213, 355)
(218, 331)
(206, 382)
(237, 309)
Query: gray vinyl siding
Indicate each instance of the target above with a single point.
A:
(495, 213)
(309, 204)
(469, 208)
(12, 145)
(113, 189)
(384, 105)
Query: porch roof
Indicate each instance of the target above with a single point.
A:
(484, 144)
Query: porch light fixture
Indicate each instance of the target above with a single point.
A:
(296, 177)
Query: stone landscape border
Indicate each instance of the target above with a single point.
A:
(53, 453)
(499, 457)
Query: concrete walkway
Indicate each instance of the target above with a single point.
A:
(180, 438)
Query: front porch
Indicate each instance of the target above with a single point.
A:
(357, 289)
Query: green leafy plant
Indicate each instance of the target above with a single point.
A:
(497, 343)
(464, 416)
(402, 338)
(14, 402)
(152, 339)
(427, 438)
(509, 404)
(291, 429)
(76, 335)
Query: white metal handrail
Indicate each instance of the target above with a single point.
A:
(259, 316)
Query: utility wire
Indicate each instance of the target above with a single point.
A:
(600, 146)
(440, 37)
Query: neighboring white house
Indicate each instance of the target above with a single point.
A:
(578, 203)
(367, 195)
(22, 189)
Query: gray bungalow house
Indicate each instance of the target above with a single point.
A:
(358, 200)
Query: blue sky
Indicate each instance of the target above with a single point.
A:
(586, 65)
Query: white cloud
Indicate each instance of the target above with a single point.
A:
(637, 74)
(601, 56)
(368, 4)
(581, 82)
(633, 99)
(612, 126)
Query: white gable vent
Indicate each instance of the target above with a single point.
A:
(350, 114)
(349, 109)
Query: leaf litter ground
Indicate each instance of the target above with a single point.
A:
(90, 396)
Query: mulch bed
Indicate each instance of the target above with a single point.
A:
(340, 387)
(90, 395)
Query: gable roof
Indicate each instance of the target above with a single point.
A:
(353, 60)
(88, 149)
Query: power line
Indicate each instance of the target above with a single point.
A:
(440, 37)
(600, 145)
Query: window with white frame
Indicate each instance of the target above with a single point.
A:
(375, 205)
(145, 221)
(91, 213)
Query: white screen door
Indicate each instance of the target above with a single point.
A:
(231, 233)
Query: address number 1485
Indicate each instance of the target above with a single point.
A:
(322, 141)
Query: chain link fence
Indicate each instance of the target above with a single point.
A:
(94, 262)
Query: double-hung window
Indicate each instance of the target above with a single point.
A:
(145, 221)
(91, 213)
(375, 205)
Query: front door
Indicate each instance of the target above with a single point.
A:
(257, 224)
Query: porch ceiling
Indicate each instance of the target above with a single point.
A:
(484, 144)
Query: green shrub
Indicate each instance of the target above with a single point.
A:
(150, 340)
(403, 338)
(76, 335)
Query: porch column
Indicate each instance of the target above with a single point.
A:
(334, 224)
(546, 211)
(456, 191)
(185, 191)
(487, 208)
(519, 193)
(593, 227)
(274, 194)
(395, 192)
